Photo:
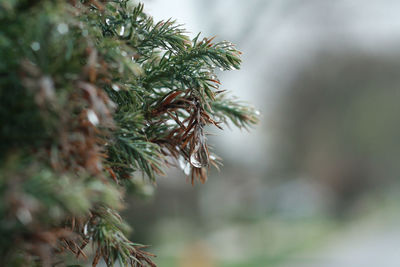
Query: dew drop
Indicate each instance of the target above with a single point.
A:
(115, 87)
(195, 162)
(62, 28)
(122, 31)
(187, 169)
(184, 165)
(24, 215)
(199, 157)
(182, 162)
(92, 117)
(85, 229)
(35, 46)
(47, 87)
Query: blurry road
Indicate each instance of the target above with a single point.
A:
(370, 244)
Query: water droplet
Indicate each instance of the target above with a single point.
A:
(115, 87)
(187, 169)
(85, 229)
(35, 46)
(92, 117)
(184, 165)
(24, 215)
(62, 28)
(121, 31)
(108, 21)
(47, 87)
(182, 162)
(195, 162)
(257, 112)
(199, 157)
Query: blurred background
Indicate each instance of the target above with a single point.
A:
(316, 182)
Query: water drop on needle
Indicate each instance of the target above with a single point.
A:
(195, 162)
(121, 31)
(92, 117)
(199, 157)
(115, 87)
(35, 46)
(62, 28)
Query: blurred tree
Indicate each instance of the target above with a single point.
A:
(93, 93)
(337, 123)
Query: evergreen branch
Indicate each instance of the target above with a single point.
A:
(106, 229)
(230, 109)
(134, 154)
(95, 90)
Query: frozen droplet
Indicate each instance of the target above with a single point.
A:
(92, 117)
(35, 46)
(24, 215)
(62, 28)
(115, 87)
(122, 31)
(108, 21)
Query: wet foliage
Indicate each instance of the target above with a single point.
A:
(92, 94)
